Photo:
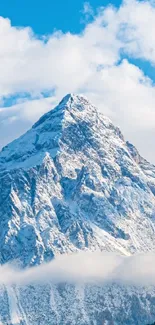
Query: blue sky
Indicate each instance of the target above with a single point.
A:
(106, 54)
(46, 15)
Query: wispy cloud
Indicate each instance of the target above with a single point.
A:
(87, 11)
(86, 268)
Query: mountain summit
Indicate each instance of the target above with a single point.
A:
(66, 125)
(73, 183)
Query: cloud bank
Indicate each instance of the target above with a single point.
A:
(86, 268)
(98, 63)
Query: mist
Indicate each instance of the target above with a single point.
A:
(87, 268)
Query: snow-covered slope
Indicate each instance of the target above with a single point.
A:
(72, 182)
(77, 305)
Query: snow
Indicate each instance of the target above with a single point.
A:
(72, 182)
(13, 308)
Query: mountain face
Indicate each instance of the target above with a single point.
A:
(73, 183)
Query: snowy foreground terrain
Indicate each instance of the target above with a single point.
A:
(73, 183)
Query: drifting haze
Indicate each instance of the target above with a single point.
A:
(87, 268)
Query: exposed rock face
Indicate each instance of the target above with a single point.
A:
(73, 183)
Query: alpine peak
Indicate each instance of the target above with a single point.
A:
(73, 183)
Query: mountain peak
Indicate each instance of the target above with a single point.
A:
(68, 98)
(72, 98)
(71, 102)
(76, 164)
(74, 126)
(72, 183)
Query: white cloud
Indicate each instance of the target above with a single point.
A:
(63, 61)
(137, 22)
(86, 267)
(88, 63)
(125, 94)
(87, 10)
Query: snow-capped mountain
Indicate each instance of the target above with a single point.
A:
(73, 183)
